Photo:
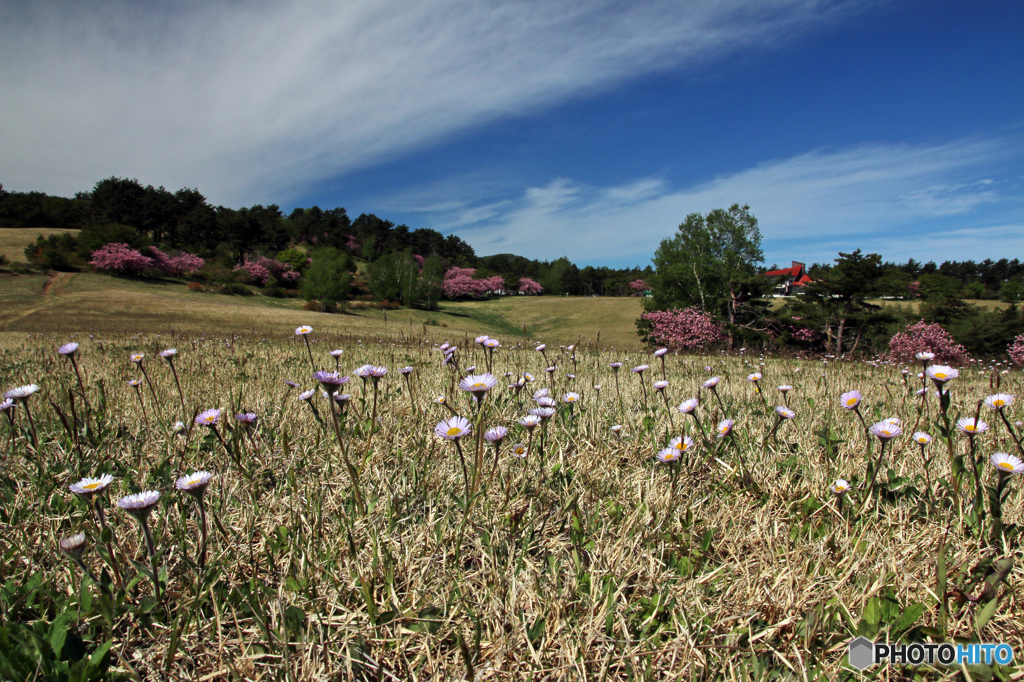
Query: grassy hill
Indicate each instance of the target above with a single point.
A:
(90, 302)
(13, 240)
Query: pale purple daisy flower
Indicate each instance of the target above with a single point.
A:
(306, 395)
(68, 348)
(453, 428)
(21, 392)
(405, 370)
(91, 486)
(688, 406)
(660, 385)
(246, 418)
(999, 401)
(168, 353)
(495, 434)
(922, 438)
(661, 351)
(640, 369)
(681, 443)
(136, 357)
(208, 417)
(1006, 463)
(885, 430)
(73, 546)
(530, 421)
(141, 504)
(712, 382)
(303, 330)
(970, 427)
(784, 412)
(668, 455)
(478, 384)
(850, 400)
(570, 397)
(839, 487)
(940, 374)
(724, 428)
(195, 483)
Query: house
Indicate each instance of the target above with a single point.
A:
(794, 276)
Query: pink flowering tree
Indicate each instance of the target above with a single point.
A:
(119, 258)
(459, 283)
(261, 267)
(529, 286)
(922, 336)
(1016, 350)
(186, 263)
(638, 287)
(160, 259)
(685, 329)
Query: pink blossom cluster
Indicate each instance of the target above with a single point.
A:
(160, 259)
(1016, 350)
(351, 243)
(683, 329)
(638, 286)
(186, 263)
(459, 282)
(120, 258)
(529, 286)
(922, 336)
(261, 267)
(419, 259)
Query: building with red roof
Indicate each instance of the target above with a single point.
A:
(794, 277)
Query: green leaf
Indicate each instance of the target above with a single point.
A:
(59, 632)
(872, 611)
(909, 616)
(986, 613)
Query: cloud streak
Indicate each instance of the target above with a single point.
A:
(879, 197)
(250, 101)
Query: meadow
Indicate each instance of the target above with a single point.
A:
(399, 533)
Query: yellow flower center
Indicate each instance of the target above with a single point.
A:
(999, 403)
(969, 427)
(210, 419)
(922, 441)
(940, 375)
(478, 387)
(454, 431)
(1006, 466)
(724, 430)
(840, 488)
(851, 402)
(91, 486)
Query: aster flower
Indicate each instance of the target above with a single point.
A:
(615, 428)
(784, 412)
(470, 369)
(405, 370)
(519, 450)
(135, 383)
(925, 356)
(668, 455)
(179, 427)
(940, 374)
(839, 487)
(850, 400)
(91, 486)
(208, 417)
(527, 377)
(68, 349)
(331, 381)
(337, 353)
(660, 385)
(73, 546)
(168, 353)
(541, 347)
(1005, 463)
(478, 384)
(885, 430)
(544, 413)
(550, 370)
(194, 484)
(999, 401)
(724, 428)
(377, 372)
(21, 393)
(967, 425)
(246, 419)
(661, 351)
(755, 377)
(785, 388)
(530, 421)
(136, 357)
(290, 384)
(570, 397)
(481, 339)
(681, 443)
(303, 330)
(921, 438)
(453, 428)
(141, 504)
(495, 434)
(491, 343)
(342, 397)
(541, 393)
(545, 401)
(688, 406)
(640, 369)
(615, 366)
(306, 395)
(712, 382)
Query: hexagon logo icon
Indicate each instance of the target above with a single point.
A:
(862, 653)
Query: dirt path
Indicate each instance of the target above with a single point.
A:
(53, 288)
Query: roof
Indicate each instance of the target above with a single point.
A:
(794, 271)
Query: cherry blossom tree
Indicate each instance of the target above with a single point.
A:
(529, 286)
(186, 263)
(1016, 350)
(638, 286)
(119, 258)
(923, 336)
(684, 329)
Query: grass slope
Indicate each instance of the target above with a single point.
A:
(99, 303)
(13, 240)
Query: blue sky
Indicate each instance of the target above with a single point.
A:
(544, 128)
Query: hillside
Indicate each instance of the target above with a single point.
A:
(89, 302)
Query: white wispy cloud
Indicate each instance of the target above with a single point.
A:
(882, 197)
(250, 100)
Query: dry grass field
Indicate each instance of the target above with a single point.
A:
(13, 240)
(100, 303)
(357, 543)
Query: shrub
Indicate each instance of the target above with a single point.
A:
(529, 286)
(186, 264)
(315, 306)
(923, 336)
(120, 258)
(1016, 350)
(195, 286)
(459, 282)
(638, 286)
(684, 329)
(236, 289)
(275, 292)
